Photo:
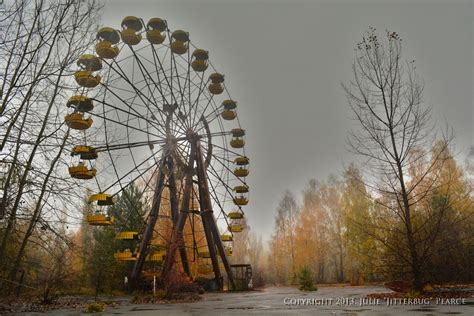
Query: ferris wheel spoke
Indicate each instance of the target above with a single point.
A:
(173, 63)
(170, 85)
(157, 71)
(215, 134)
(128, 145)
(131, 108)
(214, 114)
(187, 84)
(146, 74)
(105, 118)
(121, 110)
(200, 90)
(145, 100)
(228, 190)
(197, 118)
(120, 178)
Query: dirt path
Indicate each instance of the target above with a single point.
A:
(290, 301)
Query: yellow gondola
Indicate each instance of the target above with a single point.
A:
(226, 237)
(157, 24)
(180, 35)
(105, 50)
(132, 22)
(80, 103)
(130, 37)
(76, 121)
(241, 200)
(205, 269)
(179, 47)
(131, 25)
(204, 254)
(179, 43)
(228, 251)
(108, 34)
(216, 78)
(155, 36)
(82, 172)
(125, 255)
(237, 141)
(155, 28)
(99, 219)
(241, 189)
(200, 64)
(127, 235)
(89, 62)
(156, 257)
(101, 199)
(86, 79)
(241, 160)
(238, 132)
(229, 104)
(85, 152)
(228, 115)
(201, 54)
(216, 86)
(229, 110)
(235, 215)
(241, 172)
(235, 228)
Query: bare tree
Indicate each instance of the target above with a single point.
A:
(394, 134)
(40, 41)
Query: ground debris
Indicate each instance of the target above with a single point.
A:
(181, 297)
(38, 305)
(432, 295)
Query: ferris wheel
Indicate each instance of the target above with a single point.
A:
(151, 105)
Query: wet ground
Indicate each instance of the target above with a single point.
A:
(290, 301)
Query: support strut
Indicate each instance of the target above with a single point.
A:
(177, 233)
(175, 215)
(212, 232)
(152, 218)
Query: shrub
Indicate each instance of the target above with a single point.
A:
(412, 294)
(306, 280)
(94, 307)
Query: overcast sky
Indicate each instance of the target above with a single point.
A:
(284, 62)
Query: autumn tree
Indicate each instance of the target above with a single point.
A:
(359, 227)
(312, 235)
(283, 251)
(446, 221)
(332, 204)
(394, 133)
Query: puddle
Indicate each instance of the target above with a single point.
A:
(423, 309)
(138, 309)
